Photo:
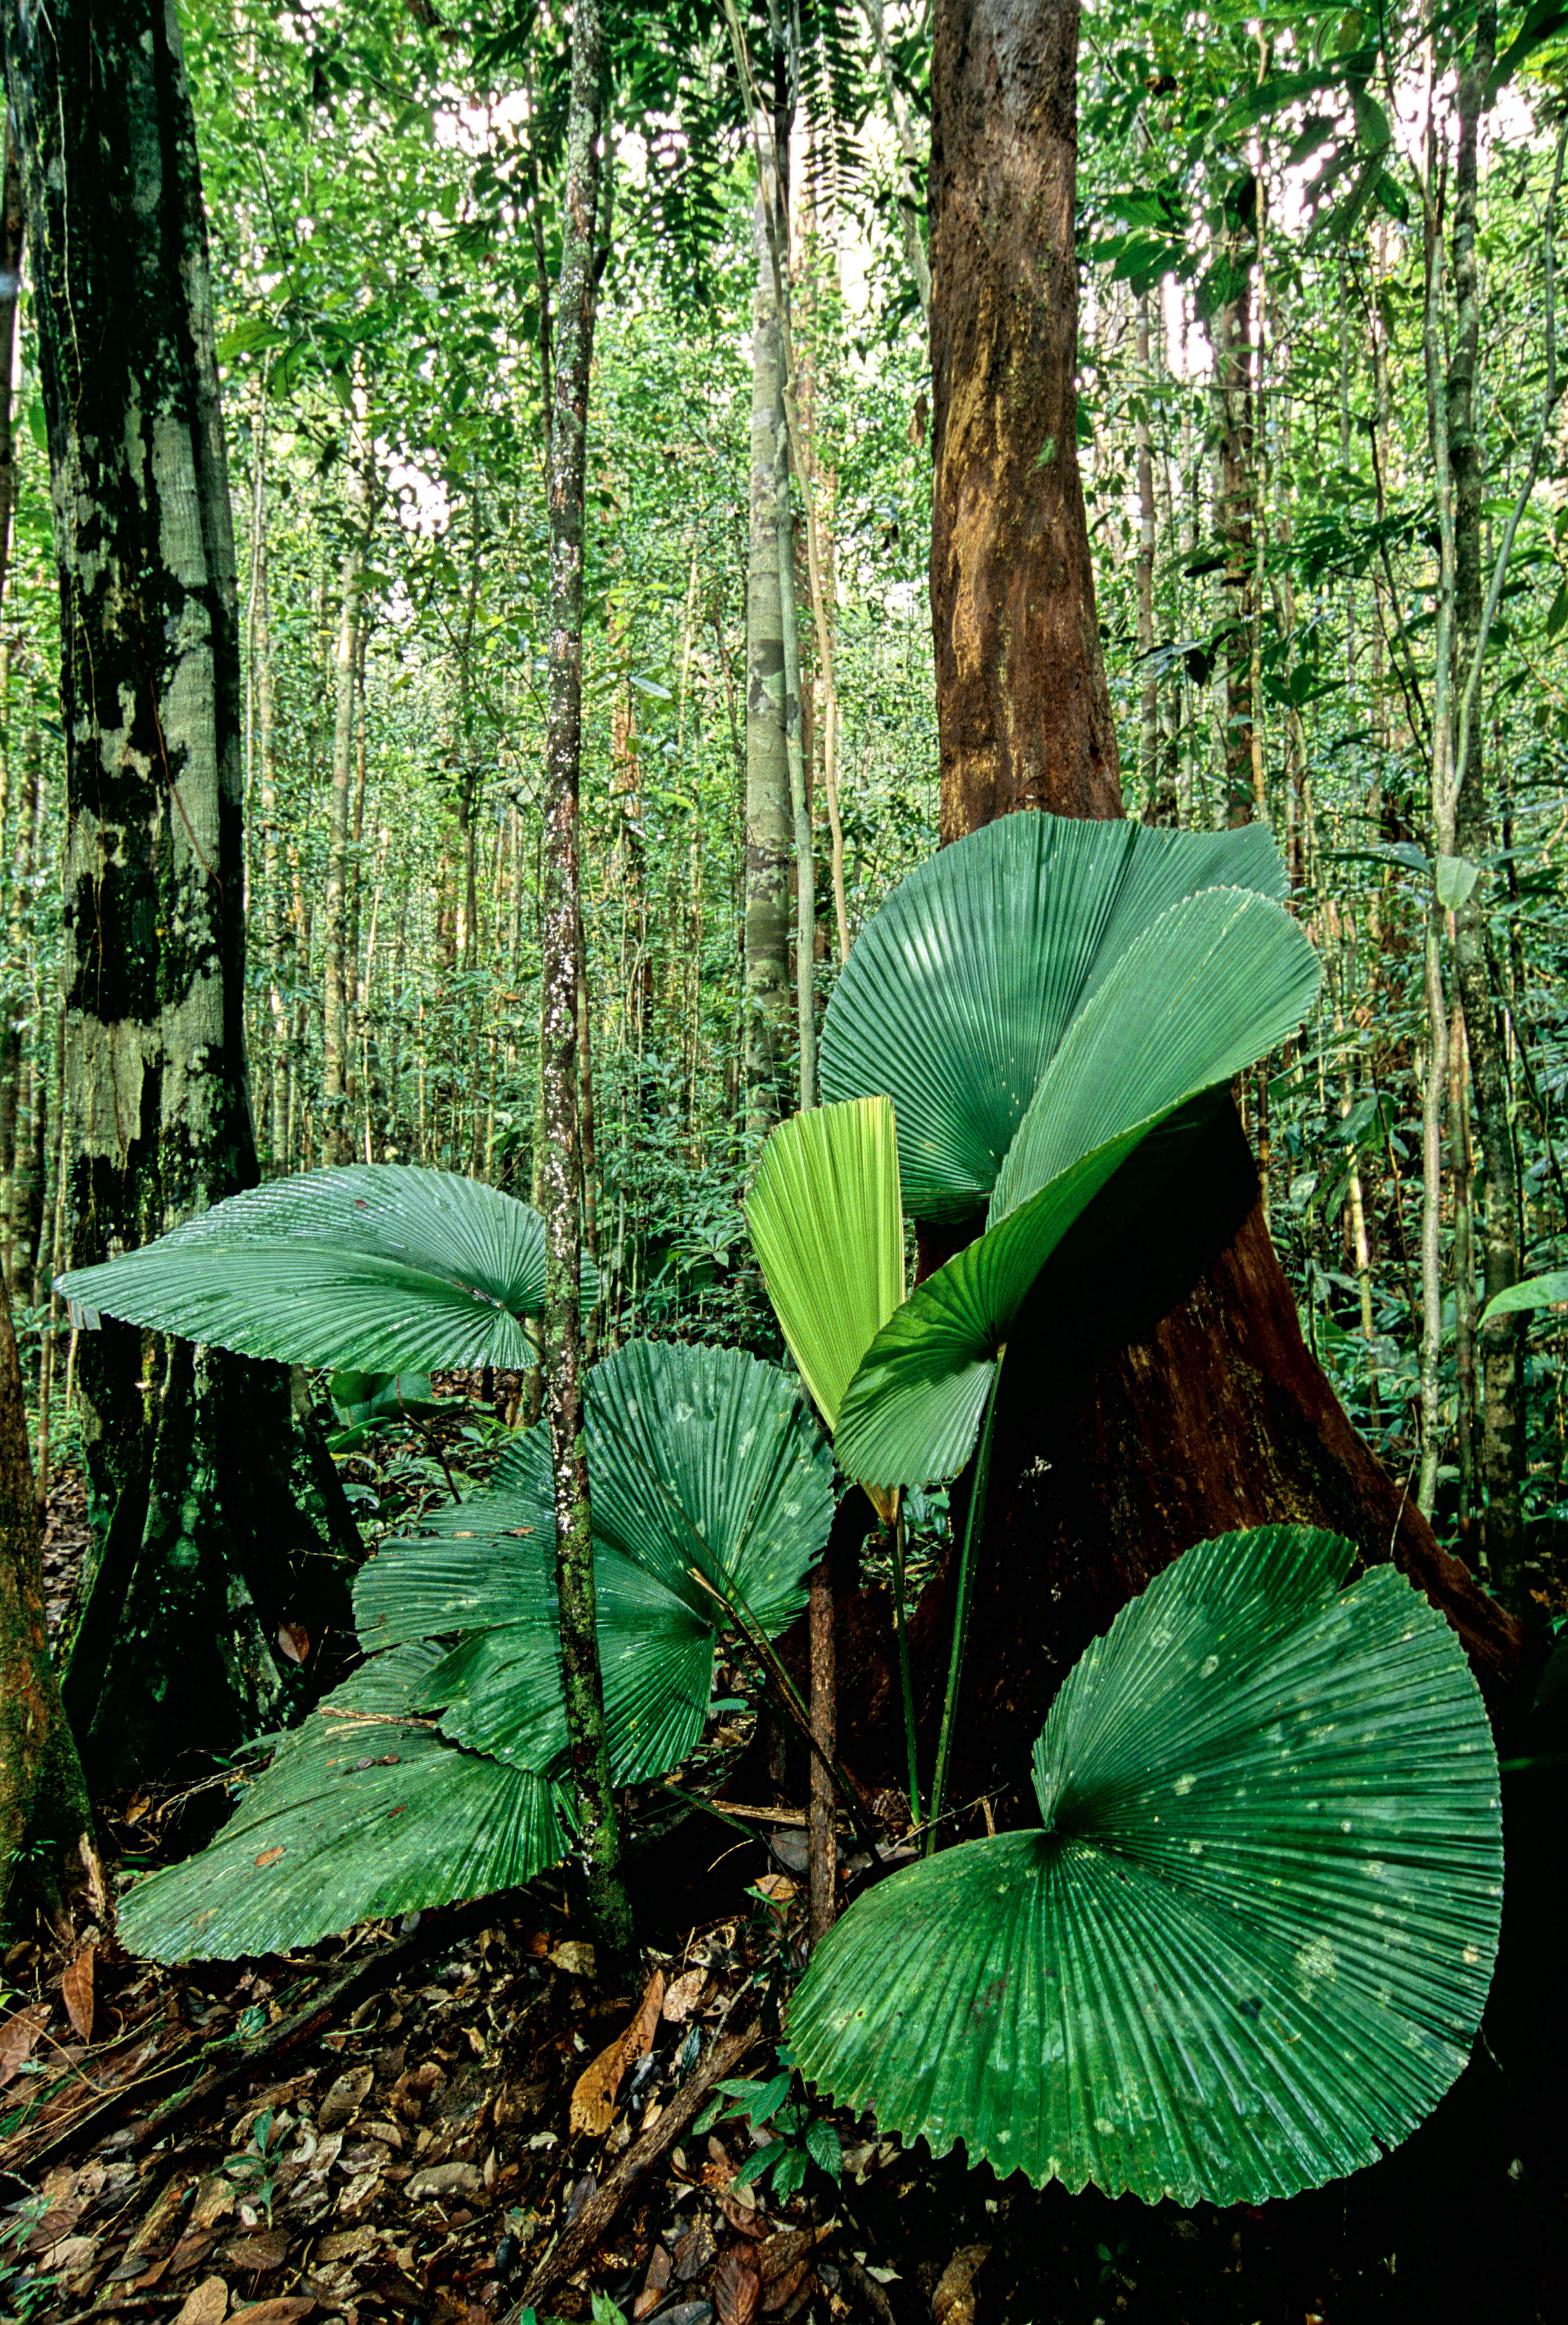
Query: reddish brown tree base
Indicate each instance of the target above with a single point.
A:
(1217, 1418)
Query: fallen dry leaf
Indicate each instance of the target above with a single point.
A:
(684, 1995)
(345, 2097)
(659, 2267)
(778, 1887)
(18, 2038)
(280, 2311)
(76, 1988)
(573, 1956)
(737, 2289)
(953, 2300)
(270, 1855)
(593, 2094)
(267, 2249)
(208, 2306)
(293, 1642)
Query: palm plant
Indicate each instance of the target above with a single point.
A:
(1250, 1944)
(1034, 1006)
(439, 1770)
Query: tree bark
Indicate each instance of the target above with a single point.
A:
(767, 979)
(1501, 1449)
(1026, 718)
(199, 1549)
(43, 1801)
(1217, 1417)
(339, 969)
(599, 1840)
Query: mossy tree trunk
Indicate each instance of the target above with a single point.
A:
(200, 1550)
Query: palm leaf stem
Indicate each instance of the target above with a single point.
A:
(906, 1683)
(961, 1608)
(789, 1703)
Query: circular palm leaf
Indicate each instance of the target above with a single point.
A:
(1249, 1949)
(961, 986)
(382, 1265)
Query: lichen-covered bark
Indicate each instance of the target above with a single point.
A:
(199, 1554)
(767, 761)
(599, 1838)
(1025, 715)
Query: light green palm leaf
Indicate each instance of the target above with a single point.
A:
(826, 1219)
(1250, 1946)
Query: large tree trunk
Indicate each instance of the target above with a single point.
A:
(1219, 1418)
(1025, 716)
(200, 1552)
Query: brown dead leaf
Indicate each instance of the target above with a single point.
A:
(208, 2306)
(76, 1987)
(267, 2249)
(579, 1961)
(282, 2311)
(684, 1995)
(660, 2267)
(737, 2289)
(741, 2209)
(293, 1642)
(777, 2295)
(345, 2097)
(953, 2300)
(594, 2095)
(777, 1886)
(18, 2037)
(270, 1855)
(785, 2251)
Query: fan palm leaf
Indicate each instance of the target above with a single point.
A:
(826, 1220)
(1250, 1946)
(1210, 984)
(364, 1812)
(381, 1265)
(964, 983)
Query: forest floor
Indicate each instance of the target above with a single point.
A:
(400, 2126)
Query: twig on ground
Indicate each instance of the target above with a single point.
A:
(592, 2223)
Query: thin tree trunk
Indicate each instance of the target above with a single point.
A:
(1501, 1449)
(1157, 806)
(336, 968)
(274, 916)
(766, 760)
(599, 1840)
(799, 803)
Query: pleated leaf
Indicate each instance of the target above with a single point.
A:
(380, 1266)
(1249, 1951)
(826, 1219)
(365, 1813)
(1210, 987)
(961, 989)
(697, 1458)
